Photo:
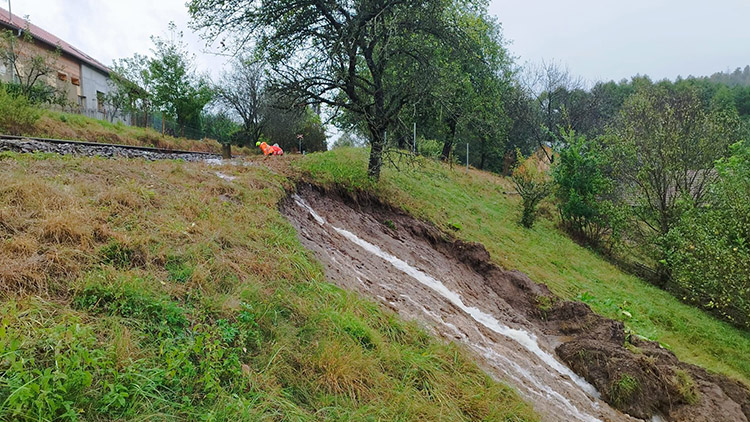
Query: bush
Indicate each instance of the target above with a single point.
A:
(533, 184)
(430, 148)
(709, 250)
(17, 115)
(583, 190)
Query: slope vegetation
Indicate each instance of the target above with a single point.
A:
(477, 207)
(176, 291)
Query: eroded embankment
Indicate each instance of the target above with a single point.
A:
(561, 356)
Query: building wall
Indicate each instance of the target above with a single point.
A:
(95, 85)
(83, 85)
(67, 74)
(68, 78)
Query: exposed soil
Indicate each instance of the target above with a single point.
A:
(513, 325)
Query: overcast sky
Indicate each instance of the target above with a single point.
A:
(596, 39)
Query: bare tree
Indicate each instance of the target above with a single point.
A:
(243, 90)
(551, 84)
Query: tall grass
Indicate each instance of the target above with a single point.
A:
(156, 290)
(479, 206)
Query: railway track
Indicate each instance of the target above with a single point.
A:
(68, 147)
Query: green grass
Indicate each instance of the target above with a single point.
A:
(135, 290)
(623, 389)
(475, 207)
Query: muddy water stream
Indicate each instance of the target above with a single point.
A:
(405, 273)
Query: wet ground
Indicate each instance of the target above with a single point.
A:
(519, 332)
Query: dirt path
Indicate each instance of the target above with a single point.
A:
(519, 332)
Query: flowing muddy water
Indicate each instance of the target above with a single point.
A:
(402, 270)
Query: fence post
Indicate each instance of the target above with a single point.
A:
(415, 138)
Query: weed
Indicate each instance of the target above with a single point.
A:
(117, 255)
(178, 269)
(390, 224)
(131, 301)
(623, 389)
(686, 386)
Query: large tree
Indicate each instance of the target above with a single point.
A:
(176, 89)
(473, 83)
(350, 54)
(165, 81)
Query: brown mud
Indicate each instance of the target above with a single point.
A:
(519, 331)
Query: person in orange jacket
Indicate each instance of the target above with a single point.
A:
(277, 150)
(267, 149)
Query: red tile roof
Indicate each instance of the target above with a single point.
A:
(47, 38)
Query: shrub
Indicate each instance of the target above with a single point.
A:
(533, 184)
(17, 115)
(708, 252)
(430, 148)
(583, 190)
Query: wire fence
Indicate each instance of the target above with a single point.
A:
(155, 121)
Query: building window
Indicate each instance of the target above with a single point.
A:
(62, 76)
(100, 101)
(75, 81)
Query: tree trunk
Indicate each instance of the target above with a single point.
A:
(448, 144)
(376, 152)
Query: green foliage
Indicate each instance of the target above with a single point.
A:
(168, 81)
(623, 389)
(347, 140)
(17, 115)
(430, 148)
(47, 377)
(327, 170)
(662, 151)
(285, 123)
(584, 191)
(178, 268)
(129, 300)
(709, 250)
(30, 67)
(116, 254)
(369, 57)
(221, 127)
(533, 184)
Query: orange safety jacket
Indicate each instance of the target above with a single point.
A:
(267, 149)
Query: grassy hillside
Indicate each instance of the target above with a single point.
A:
(475, 208)
(134, 290)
